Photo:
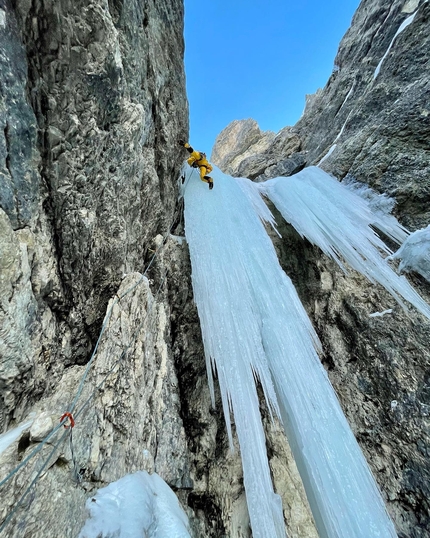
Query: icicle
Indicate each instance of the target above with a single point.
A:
(253, 321)
(338, 221)
(381, 207)
(415, 253)
(219, 225)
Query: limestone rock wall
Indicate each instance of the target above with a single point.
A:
(243, 150)
(92, 102)
(92, 105)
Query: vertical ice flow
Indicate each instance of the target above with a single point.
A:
(253, 322)
(218, 226)
(404, 25)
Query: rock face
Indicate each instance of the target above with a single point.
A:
(92, 104)
(89, 166)
(381, 124)
(242, 150)
(375, 128)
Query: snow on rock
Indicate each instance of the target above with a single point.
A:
(139, 505)
(381, 314)
(254, 326)
(404, 25)
(415, 253)
(339, 134)
(339, 222)
(346, 98)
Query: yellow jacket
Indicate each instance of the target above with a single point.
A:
(197, 160)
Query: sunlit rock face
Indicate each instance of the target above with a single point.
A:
(383, 120)
(377, 129)
(243, 150)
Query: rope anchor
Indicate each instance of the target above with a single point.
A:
(71, 419)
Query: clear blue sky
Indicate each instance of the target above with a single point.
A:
(257, 59)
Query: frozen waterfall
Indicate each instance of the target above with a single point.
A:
(255, 327)
(339, 222)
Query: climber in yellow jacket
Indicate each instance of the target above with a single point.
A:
(198, 160)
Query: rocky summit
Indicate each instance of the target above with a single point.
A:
(96, 305)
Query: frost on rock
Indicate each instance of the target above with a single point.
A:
(139, 505)
(9, 437)
(381, 206)
(254, 326)
(339, 222)
(415, 253)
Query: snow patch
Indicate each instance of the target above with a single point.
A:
(137, 505)
(346, 98)
(339, 133)
(404, 25)
(410, 6)
(380, 314)
(179, 239)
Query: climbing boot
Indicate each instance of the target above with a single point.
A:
(209, 180)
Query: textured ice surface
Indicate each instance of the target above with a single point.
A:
(404, 25)
(339, 222)
(254, 325)
(136, 506)
(381, 207)
(228, 245)
(415, 253)
(7, 438)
